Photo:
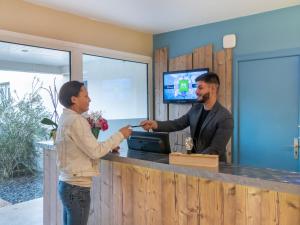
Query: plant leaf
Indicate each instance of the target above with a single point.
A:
(48, 122)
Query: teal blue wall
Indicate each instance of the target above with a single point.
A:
(275, 30)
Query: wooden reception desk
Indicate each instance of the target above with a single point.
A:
(138, 188)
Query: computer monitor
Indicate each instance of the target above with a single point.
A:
(156, 142)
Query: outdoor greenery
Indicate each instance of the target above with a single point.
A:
(53, 93)
(20, 128)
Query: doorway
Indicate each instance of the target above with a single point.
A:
(267, 110)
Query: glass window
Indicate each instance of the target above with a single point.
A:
(27, 76)
(118, 88)
(21, 66)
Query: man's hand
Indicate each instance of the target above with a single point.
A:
(126, 131)
(149, 124)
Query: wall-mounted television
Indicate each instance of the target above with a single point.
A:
(180, 86)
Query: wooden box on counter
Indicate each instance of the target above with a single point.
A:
(198, 160)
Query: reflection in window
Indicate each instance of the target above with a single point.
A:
(117, 87)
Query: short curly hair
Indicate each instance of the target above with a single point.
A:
(210, 78)
(67, 91)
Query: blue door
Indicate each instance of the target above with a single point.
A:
(268, 112)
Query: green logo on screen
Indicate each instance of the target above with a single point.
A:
(183, 85)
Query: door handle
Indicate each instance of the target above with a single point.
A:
(296, 148)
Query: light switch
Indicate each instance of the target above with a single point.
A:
(229, 41)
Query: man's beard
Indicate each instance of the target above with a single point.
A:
(204, 98)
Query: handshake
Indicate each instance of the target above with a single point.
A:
(146, 125)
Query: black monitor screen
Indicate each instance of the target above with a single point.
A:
(149, 142)
(180, 86)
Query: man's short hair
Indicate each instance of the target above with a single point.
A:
(210, 78)
(67, 91)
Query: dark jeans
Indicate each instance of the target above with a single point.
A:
(76, 203)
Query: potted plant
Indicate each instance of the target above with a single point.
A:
(54, 117)
(54, 125)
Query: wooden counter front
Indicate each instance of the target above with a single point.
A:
(135, 195)
(142, 189)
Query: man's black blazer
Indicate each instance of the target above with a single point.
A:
(214, 134)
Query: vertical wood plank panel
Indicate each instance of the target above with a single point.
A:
(228, 79)
(106, 192)
(241, 193)
(184, 62)
(187, 195)
(55, 205)
(203, 57)
(161, 65)
(193, 198)
(94, 215)
(52, 206)
(269, 208)
(181, 196)
(211, 202)
(289, 209)
(220, 69)
(253, 204)
(139, 195)
(127, 192)
(230, 206)
(154, 200)
(95, 210)
(117, 206)
(169, 216)
(223, 67)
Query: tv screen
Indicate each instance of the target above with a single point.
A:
(180, 86)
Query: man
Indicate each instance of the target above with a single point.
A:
(210, 123)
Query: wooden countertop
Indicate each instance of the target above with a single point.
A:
(264, 178)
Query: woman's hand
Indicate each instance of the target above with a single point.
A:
(126, 131)
(116, 149)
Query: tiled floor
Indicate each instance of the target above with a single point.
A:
(25, 213)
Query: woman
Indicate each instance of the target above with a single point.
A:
(79, 153)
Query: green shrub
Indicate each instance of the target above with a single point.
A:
(20, 128)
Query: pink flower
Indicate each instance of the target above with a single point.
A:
(96, 120)
(103, 124)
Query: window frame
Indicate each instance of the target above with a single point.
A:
(76, 56)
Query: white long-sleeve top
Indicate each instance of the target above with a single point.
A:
(78, 151)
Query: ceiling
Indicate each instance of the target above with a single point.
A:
(158, 16)
(18, 53)
(145, 15)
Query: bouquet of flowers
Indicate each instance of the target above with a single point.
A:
(97, 122)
